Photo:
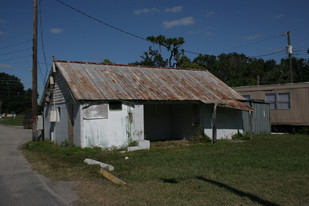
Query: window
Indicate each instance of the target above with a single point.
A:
(247, 97)
(271, 99)
(115, 106)
(284, 101)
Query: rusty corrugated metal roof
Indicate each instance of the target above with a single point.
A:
(91, 81)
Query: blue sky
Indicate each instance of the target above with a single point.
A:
(210, 27)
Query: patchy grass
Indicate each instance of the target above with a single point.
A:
(268, 170)
(17, 121)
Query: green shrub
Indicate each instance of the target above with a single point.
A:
(240, 136)
(200, 136)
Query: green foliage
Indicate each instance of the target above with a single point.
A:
(240, 136)
(239, 70)
(200, 136)
(13, 97)
(107, 61)
(132, 143)
(233, 69)
(173, 47)
(151, 58)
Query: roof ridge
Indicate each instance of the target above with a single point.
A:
(126, 65)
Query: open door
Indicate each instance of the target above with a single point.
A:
(70, 124)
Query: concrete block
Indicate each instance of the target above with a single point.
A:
(133, 148)
(101, 164)
(144, 144)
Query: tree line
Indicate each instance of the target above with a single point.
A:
(13, 97)
(234, 69)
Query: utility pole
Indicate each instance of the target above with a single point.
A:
(34, 71)
(289, 51)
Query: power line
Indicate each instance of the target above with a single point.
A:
(18, 43)
(42, 41)
(4, 60)
(102, 22)
(116, 28)
(13, 52)
(255, 42)
(269, 54)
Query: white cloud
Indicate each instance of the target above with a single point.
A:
(56, 30)
(209, 13)
(174, 9)
(2, 33)
(180, 22)
(146, 11)
(6, 66)
(252, 37)
(278, 16)
(2, 21)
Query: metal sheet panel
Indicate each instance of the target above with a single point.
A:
(90, 81)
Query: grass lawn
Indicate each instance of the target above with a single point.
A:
(17, 121)
(268, 170)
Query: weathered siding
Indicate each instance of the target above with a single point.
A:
(298, 114)
(260, 118)
(61, 90)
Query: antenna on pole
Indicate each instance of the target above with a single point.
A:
(34, 71)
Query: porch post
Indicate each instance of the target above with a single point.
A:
(214, 126)
(250, 123)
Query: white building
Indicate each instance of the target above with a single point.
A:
(90, 104)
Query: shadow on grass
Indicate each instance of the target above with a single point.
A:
(171, 180)
(252, 197)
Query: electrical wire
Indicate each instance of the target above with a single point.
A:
(116, 28)
(269, 54)
(102, 22)
(12, 45)
(251, 43)
(42, 42)
(21, 57)
(142, 38)
(13, 52)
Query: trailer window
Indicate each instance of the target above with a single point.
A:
(284, 101)
(271, 99)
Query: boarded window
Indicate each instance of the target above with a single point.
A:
(115, 106)
(284, 101)
(271, 99)
(95, 112)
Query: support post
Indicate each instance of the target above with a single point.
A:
(214, 124)
(250, 123)
(34, 71)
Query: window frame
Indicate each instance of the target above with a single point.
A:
(284, 101)
(274, 102)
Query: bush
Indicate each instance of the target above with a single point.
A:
(200, 136)
(240, 136)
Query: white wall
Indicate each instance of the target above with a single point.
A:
(56, 131)
(138, 119)
(228, 121)
(113, 131)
